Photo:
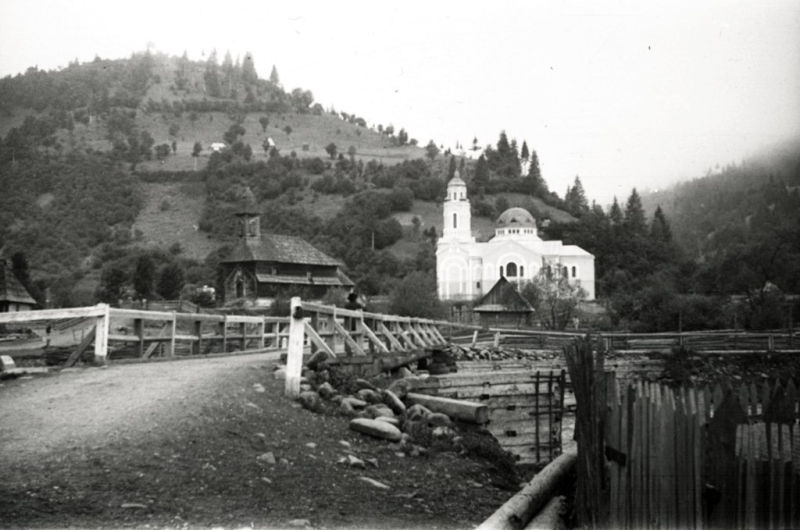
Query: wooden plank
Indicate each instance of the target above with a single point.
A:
(155, 344)
(76, 354)
(294, 357)
(102, 325)
(373, 339)
(395, 344)
(317, 340)
(348, 339)
(53, 314)
(134, 314)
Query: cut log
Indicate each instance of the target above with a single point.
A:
(522, 507)
(462, 410)
(551, 516)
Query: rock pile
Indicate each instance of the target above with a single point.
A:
(382, 413)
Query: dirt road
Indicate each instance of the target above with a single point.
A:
(176, 444)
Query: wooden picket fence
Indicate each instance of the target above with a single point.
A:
(697, 457)
(655, 457)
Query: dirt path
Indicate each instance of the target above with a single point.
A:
(176, 444)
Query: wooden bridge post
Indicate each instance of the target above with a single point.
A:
(294, 358)
(261, 326)
(223, 330)
(138, 330)
(173, 327)
(197, 345)
(243, 331)
(101, 335)
(771, 343)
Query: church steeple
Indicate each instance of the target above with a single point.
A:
(457, 214)
(249, 217)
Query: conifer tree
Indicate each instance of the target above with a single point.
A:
(575, 199)
(273, 76)
(451, 169)
(524, 155)
(615, 214)
(659, 228)
(211, 76)
(481, 171)
(635, 222)
(249, 74)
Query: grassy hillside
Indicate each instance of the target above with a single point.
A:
(139, 119)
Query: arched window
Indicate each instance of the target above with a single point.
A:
(574, 271)
(566, 272)
(511, 270)
(455, 220)
(521, 271)
(501, 271)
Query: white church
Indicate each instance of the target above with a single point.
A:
(466, 270)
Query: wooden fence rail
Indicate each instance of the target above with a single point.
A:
(722, 341)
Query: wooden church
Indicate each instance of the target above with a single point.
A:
(263, 267)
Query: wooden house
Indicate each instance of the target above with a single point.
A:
(263, 267)
(13, 295)
(503, 306)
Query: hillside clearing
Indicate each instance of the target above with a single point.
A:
(171, 215)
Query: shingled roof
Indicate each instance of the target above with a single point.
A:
(11, 289)
(280, 249)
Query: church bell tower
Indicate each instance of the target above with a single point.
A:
(249, 218)
(457, 214)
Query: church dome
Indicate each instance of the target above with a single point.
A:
(516, 218)
(456, 181)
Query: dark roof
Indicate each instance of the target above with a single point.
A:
(279, 249)
(11, 289)
(503, 297)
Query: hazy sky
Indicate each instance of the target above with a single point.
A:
(621, 93)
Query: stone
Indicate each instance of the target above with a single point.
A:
(309, 400)
(267, 458)
(443, 432)
(307, 374)
(417, 412)
(400, 388)
(344, 443)
(299, 523)
(357, 404)
(336, 399)
(305, 387)
(370, 396)
(406, 439)
(372, 461)
(376, 411)
(376, 429)
(326, 390)
(353, 461)
(258, 387)
(375, 483)
(345, 409)
(390, 421)
(283, 462)
(280, 373)
(6, 363)
(437, 419)
(363, 384)
(391, 400)
(404, 371)
(312, 445)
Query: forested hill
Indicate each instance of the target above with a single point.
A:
(721, 208)
(105, 166)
